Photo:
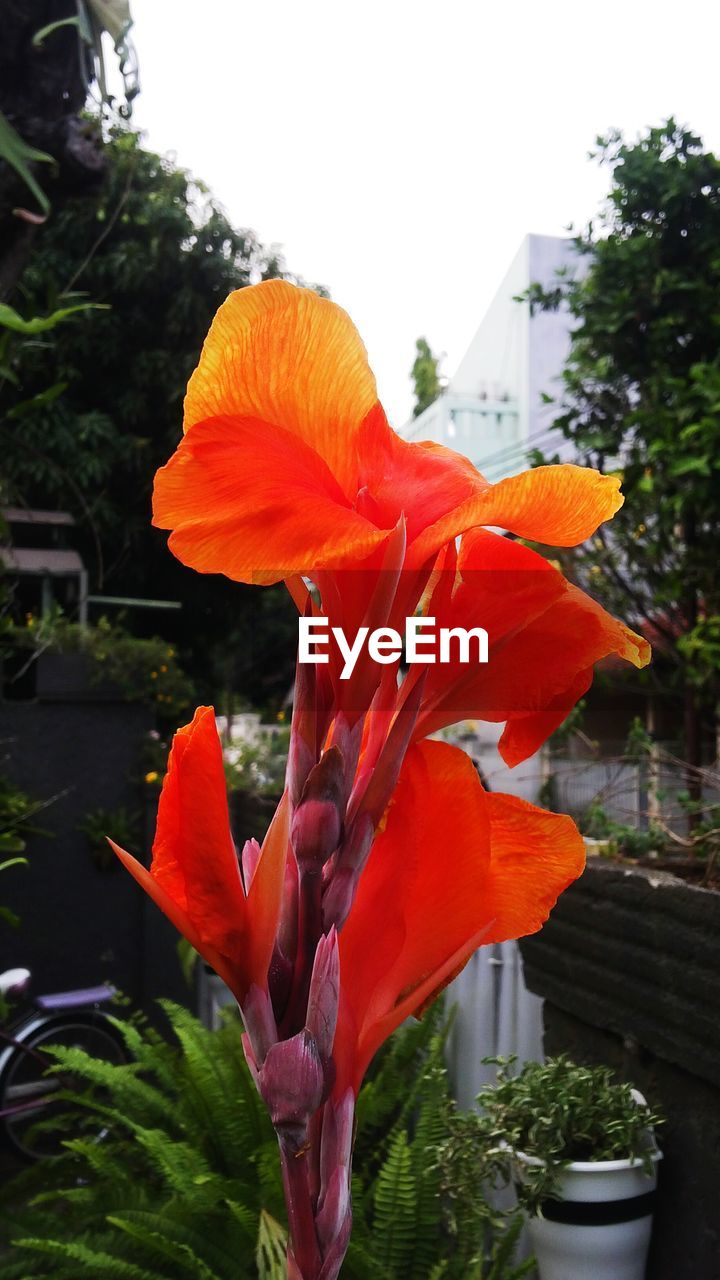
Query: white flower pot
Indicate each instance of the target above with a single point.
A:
(600, 1228)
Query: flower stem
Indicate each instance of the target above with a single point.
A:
(301, 1215)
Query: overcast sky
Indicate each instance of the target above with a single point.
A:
(399, 150)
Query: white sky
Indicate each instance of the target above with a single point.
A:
(399, 151)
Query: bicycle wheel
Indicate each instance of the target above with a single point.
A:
(26, 1092)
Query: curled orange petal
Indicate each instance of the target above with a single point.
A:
(559, 505)
(544, 638)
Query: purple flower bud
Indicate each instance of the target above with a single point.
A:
(335, 1207)
(302, 753)
(318, 818)
(338, 897)
(336, 1141)
(383, 779)
(288, 926)
(249, 859)
(348, 739)
(357, 843)
(279, 981)
(322, 1009)
(291, 1082)
(250, 1059)
(259, 1021)
(336, 1253)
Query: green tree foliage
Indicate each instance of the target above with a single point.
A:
(91, 410)
(642, 397)
(175, 1173)
(427, 383)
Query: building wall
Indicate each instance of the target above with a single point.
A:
(493, 406)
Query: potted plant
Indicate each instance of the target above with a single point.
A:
(581, 1151)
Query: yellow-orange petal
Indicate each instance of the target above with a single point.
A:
(535, 855)
(256, 503)
(285, 356)
(559, 505)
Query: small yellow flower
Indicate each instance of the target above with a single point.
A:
(163, 669)
(152, 776)
(153, 675)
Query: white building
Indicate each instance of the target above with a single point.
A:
(493, 409)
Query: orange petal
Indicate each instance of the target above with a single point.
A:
(194, 857)
(559, 650)
(558, 505)
(422, 899)
(455, 867)
(419, 482)
(544, 638)
(174, 912)
(291, 359)
(265, 897)
(524, 734)
(535, 856)
(256, 503)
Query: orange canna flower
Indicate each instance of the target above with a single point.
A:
(195, 876)
(387, 864)
(288, 464)
(454, 867)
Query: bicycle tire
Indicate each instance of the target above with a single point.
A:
(26, 1092)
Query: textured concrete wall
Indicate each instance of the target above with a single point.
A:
(629, 966)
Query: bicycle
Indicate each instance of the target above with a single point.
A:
(69, 1018)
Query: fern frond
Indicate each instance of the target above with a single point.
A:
(395, 1206)
(102, 1265)
(166, 1240)
(271, 1250)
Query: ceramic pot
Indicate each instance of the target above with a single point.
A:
(599, 1228)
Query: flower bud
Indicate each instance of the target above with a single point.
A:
(317, 823)
(291, 1082)
(257, 1015)
(336, 1141)
(249, 859)
(338, 897)
(303, 730)
(322, 1009)
(335, 1207)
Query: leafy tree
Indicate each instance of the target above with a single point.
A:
(426, 379)
(91, 410)
(642, 398)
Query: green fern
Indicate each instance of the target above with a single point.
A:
(270, 1254)
(395, 1205)
(170, 1170)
